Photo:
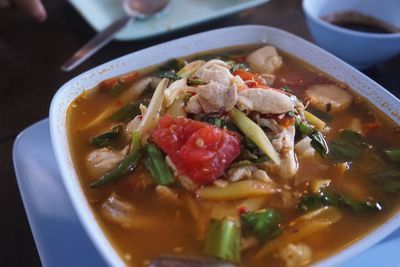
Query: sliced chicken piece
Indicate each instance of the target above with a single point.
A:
(212, 97)
(167, 194)
(118, 211)
(285, 145)
(328, 97)
(295, 255)
(264, 101)
(240, 173)
(214, 71)
(268, 78)
(264, 60)
(104, 159)
(271, 124)
(304, 148)
(193, 105)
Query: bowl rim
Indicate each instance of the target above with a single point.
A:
(306, 8)
(75, 191)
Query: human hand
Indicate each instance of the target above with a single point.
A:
(33, 8)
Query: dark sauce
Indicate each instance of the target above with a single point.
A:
(362, 27)
(360, 22)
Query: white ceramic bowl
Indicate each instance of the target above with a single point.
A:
(361, 49)
(240, 35)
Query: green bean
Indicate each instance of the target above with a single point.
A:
(155, 162)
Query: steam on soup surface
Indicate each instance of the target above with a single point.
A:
(247, 155)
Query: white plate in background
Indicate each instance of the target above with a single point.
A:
(182, 13)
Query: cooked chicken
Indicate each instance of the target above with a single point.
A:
(328, 97)
(214, 71)
(284, 143)
(304, 148)
(118, 211)
(264, 60)
(270, 124)
(240, 173)
(104, 159)
(212, 97)
(173, 91)
(295, 255)
(167, 194)
(264, 101)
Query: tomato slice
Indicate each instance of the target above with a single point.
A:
(198, 150)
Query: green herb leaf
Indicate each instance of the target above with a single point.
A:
(311, 202)
(264, 224)
(169, 74)
(129, 163)
(107, 139)
(130, 111)
(347, 146)
(242, 66)
(318, 143)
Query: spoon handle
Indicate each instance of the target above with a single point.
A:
(96, 43)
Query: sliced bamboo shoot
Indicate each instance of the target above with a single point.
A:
(152, 114)
(238, 190)
(255, 133)
(314, 120)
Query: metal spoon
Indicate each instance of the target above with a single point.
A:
(174, 261)
(135, 9)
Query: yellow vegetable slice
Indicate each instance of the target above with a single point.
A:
(238, 190)
(314, 120)
(255, 133)
(152, 114)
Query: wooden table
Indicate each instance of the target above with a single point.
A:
(30, 59)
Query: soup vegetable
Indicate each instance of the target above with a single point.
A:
(247, 156)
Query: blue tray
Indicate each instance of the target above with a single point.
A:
(60, 238)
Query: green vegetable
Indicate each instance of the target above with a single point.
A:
(242, 66)
(192, 82)
(322, 115)
(255, 133)
(107, 139)
(154, 161)
(360, 206)
(287, 89)
(223, 240)
(117, 88)
(393, 154)
(347, 146)
(174, 64)
(264, 224)
(311, 202)
(388, 178)
(303, 127)
(130, 111)
(169, 74)
(190, 68)
(318, 143)
(129, 163)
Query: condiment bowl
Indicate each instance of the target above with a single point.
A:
(216, 39)
(360, 49)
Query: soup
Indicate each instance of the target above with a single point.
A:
(245, 155)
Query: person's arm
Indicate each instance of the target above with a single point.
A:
(33, 8)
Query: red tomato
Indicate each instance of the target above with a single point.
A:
(200, 151)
